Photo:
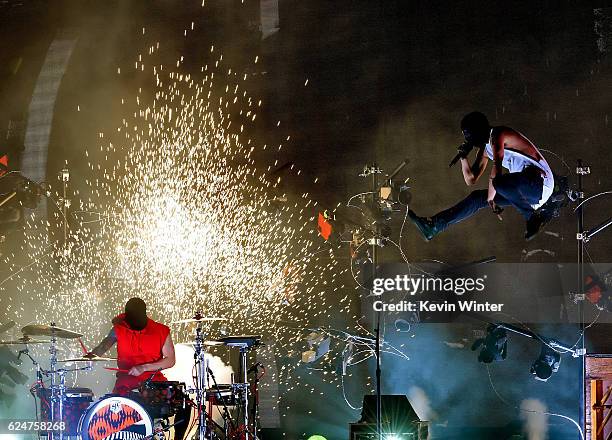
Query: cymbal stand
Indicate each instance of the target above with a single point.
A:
(201, 382)
(243, 387)
(57, 390)
(227, 418)
(255, 410)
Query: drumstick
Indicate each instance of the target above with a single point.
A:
(121, 370)
(85, 350)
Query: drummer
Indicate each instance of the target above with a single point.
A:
(144, 347)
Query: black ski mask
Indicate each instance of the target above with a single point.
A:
(136, 314)
(475, 127)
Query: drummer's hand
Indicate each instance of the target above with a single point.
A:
(137, 370)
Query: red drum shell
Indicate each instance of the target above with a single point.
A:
(76, 403)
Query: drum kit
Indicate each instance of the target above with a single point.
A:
(74, 412)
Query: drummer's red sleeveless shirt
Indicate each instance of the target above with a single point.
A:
(137, 347)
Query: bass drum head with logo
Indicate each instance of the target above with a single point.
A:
(115, 418)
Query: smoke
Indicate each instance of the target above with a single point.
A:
(19, 404)
(536, 422)
(421, 404)
(182, 370)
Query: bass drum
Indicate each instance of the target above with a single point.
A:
(115, 418)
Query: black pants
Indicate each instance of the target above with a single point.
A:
(521, 190)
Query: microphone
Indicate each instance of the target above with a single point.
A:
(464, 150)
(398, 169)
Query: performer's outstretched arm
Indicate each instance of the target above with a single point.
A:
(497, 145)
(471, 173)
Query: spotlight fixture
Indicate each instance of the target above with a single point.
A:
(546, 364)
(318, 347)
(494, 345)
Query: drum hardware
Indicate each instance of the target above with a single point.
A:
(24, 341)
(218, 395)
(247, 341)
(204, 343)
(165, 427)
(198, 318)
(255, 411)
(201, 375)
(90, 359)
(56, 393)
(244, 344)
(154, 399)
(162, 399)
(222, 394)
(203, 372)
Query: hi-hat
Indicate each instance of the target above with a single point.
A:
(205, 343)
(198, 319)
(90, 359)
(49, 330)
(23, 341)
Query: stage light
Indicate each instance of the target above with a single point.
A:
(398, 417)
(318, 347)
(316, 437)
(494, 345)
(546, 364)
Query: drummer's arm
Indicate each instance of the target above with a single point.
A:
(105, 345)
(167, 361)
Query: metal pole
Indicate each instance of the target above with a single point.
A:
(62, 393)
(245, 390)
(580, 213)
(378, 313)
(202, 369)
(65, 205)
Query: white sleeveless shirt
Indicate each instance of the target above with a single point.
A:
(515, 162)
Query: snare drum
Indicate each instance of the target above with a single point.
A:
(161, 398)
(76, 402)
(115, 418)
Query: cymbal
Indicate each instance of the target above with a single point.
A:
(205, 343)
(93, 359)
(24, 340)
(48, 330)
(198, 319)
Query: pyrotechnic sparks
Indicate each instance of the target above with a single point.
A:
(183, 209)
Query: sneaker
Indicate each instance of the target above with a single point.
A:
(534, 225)
(425, 226)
